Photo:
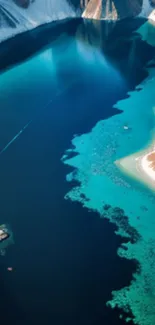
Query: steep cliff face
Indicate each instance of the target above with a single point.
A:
(117, 9)
(20, 15)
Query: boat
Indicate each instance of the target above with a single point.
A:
(3, 234)
(6, 238)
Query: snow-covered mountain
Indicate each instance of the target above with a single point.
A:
(21, 15)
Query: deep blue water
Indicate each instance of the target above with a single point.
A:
(64, 257)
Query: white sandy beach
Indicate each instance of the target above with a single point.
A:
(148, 164)
(140, 166)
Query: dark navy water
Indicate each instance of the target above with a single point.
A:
(64, 259)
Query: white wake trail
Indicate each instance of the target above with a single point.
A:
(15, 137)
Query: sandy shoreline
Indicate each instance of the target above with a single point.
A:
(140, 166)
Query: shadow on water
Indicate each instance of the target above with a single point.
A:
(65, 257)
(102, 34)
(14, 50)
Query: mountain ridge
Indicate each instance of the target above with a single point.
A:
(17, 16)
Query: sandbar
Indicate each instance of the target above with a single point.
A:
(140, 166)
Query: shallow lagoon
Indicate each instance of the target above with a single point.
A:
(104, 188)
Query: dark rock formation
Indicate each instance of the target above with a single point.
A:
(22, 3)
(113, 9)
(129, 7)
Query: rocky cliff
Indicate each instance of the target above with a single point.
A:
(20, 15)
(117, 9)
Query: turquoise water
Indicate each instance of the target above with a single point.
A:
(64, 258)
(102, 187)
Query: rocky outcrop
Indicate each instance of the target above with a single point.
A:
(113, 9)
(93, 10)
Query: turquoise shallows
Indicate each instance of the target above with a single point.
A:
(104, 188)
